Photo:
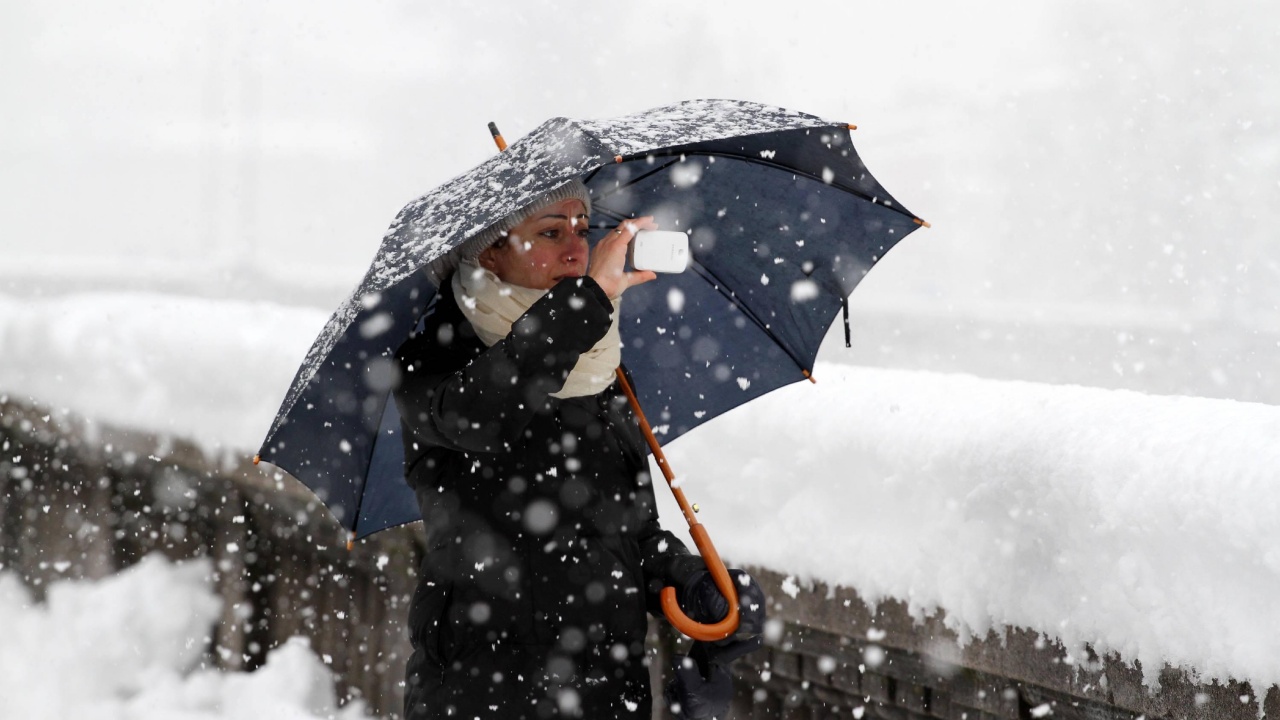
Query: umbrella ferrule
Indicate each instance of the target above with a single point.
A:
(497, 136)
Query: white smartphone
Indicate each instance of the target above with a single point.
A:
(664, 251)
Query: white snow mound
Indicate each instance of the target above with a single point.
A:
(131, 646)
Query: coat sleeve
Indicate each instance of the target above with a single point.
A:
(484, 406)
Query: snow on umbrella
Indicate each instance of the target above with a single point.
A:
(784, 220)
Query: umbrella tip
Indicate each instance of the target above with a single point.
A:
(351, 541)
(617, 158)
(497, 136)
(852, 126)
(918, 221)
(809, 376)
(257, 459)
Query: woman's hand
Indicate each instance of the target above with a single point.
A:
(609, 258)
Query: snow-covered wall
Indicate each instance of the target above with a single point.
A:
(1140, 524)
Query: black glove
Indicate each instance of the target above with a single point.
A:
(702, 602)
(690, 694)
(701, 685)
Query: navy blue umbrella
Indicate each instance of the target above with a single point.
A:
(784, 221)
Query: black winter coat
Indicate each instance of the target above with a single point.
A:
(544, 549)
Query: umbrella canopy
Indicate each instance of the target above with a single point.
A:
(784, 221)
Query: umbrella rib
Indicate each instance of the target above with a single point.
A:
(355, 517)
(774, 165)
(706, 274)
(719, 286)
(679, 156)
(630, 182)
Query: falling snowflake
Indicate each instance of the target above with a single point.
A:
(686, 174)
(675, 300)
(790, 587)
(375, 325)
(803, 290)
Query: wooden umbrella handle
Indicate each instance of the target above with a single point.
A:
(724, 582)
(706, 632)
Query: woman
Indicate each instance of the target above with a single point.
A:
(544, 548)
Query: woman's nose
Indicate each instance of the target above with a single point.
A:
(576, 247)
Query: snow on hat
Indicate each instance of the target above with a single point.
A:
(442, 267)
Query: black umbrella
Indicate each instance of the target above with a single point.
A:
(784, 220)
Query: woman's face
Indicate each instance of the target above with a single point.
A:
(543, 250)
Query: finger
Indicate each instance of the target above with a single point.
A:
(613, 248)
(615, 244)
(638, 277)
(644, 222)
(628, 228)
(618, 240)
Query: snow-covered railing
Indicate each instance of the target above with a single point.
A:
(1137, 526)
(1112, 523)
(831, 654)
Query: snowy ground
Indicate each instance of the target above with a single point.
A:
(131, 647)
(1138, 523)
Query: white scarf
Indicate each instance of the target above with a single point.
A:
(492, 305)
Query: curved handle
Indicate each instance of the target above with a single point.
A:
(724, 582)
(707, 632)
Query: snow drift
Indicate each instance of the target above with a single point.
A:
(133, 646)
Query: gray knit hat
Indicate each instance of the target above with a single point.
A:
(442, 267)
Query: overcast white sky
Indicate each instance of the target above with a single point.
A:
(1065, 151)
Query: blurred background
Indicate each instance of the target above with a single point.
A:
(1103, 179)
